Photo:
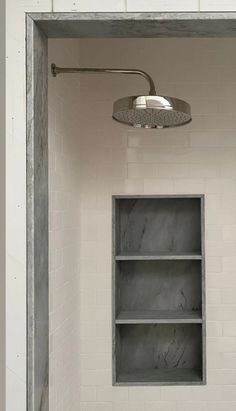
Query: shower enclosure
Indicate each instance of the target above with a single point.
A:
(93, 158)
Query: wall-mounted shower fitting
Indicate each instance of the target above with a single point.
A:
(149, 111)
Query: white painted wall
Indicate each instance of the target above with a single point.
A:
(15, 156)
(16, 201)
(115, 159)
(2, 204)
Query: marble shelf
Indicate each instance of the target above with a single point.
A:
(159, 317)
(170, 376)
(159, 257)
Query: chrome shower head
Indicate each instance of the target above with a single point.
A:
(152, 111)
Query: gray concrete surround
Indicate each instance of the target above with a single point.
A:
(41, 26)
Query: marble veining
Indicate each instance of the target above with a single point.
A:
(159, 285)
(159, 227)
(144, 347)
(137, 24)
(37, 219)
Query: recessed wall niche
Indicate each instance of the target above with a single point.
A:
(158, 290)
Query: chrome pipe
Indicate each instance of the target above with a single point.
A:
(57, 70)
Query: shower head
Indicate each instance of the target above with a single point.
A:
(150, 111)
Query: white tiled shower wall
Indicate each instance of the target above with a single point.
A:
(16, 153)
(110, 158)
(64, 229)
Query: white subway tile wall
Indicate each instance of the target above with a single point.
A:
(111, 158)
(64, 229)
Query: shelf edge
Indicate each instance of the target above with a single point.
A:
(160, 257)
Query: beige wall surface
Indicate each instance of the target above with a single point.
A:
(2, 204)
(110, 158)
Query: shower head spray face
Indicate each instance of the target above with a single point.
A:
(152, 111)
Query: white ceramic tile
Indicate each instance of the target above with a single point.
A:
(229, 361)
(62, 5)
(206, 393)
(162, 5)
(117, 394)
(213, 296)
(229, 328)
(214, 328)
(222, 377)
(229, 393)
(217, 5)
(221, 406)
(159, 406)
(194, 406)
(176, 393)
(228, 295)
(89, 5)
(144, 394)
(102, 6)
(17, 386)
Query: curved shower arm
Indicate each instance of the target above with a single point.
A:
(57, 70)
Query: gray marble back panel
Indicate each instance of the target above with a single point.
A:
(161, 226)
(155, 346)
(159, 285)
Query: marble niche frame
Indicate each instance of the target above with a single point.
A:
(40, 27)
